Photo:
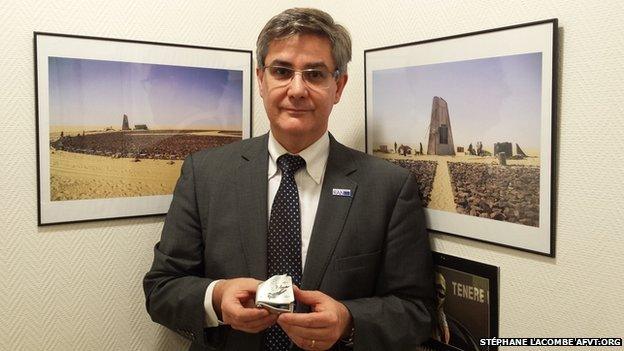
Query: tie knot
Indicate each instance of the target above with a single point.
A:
(290, 163)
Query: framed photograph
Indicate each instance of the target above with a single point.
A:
(467, 304)
(472, 116)
(116, 118)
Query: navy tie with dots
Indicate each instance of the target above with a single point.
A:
(284, 239)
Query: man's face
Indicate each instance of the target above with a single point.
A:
(299, 111)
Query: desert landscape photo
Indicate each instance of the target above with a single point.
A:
(120, 129)
(469, 131)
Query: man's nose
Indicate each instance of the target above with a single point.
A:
(297, 87)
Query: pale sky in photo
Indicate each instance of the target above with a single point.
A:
(98, 92)
(490, 100)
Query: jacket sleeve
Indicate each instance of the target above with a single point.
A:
(175, 285)
(399, 315)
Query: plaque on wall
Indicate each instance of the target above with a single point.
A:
(467, 304)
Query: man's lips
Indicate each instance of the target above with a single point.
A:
(296, 110)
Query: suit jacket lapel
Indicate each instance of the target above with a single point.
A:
(331, 214)
(252, 204)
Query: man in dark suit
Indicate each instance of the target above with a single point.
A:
(348, 227)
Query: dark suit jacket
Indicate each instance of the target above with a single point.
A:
(369, 250)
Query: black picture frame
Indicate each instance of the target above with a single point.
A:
(501, 89)
(467, 292)
(116, 117)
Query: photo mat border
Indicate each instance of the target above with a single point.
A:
(546, 244)
(136, 210)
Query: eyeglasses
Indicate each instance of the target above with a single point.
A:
(315, 78)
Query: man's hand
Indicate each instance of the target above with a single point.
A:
(233, 300)
(320, 329)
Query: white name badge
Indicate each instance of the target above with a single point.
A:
(341, 192)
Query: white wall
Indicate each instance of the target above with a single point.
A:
(78, 286)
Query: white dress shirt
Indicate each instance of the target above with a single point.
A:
(309, 181)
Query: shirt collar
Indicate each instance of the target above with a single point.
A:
(315, 156)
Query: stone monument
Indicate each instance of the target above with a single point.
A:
(440, 133)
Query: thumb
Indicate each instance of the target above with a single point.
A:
(308, 297)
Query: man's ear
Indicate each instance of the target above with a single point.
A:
(340, 84)
(260, 78)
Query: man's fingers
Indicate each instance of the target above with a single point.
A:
(235, 313)
(319, 334)
(250, 320)
(247, 315)
(308, 297)
(309, 320)
(311, 344)
(324, 325)
(249, 284)
(265, 321)
(231, 292)
(257, 325)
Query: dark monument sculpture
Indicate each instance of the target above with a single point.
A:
(502, 158)
(519, 151)
(503, 147)
(125, 125)
(440, 133)
(404, 150)
(471, 150)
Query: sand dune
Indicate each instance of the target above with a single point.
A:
(77, 176)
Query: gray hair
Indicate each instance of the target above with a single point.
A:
(306, 21)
